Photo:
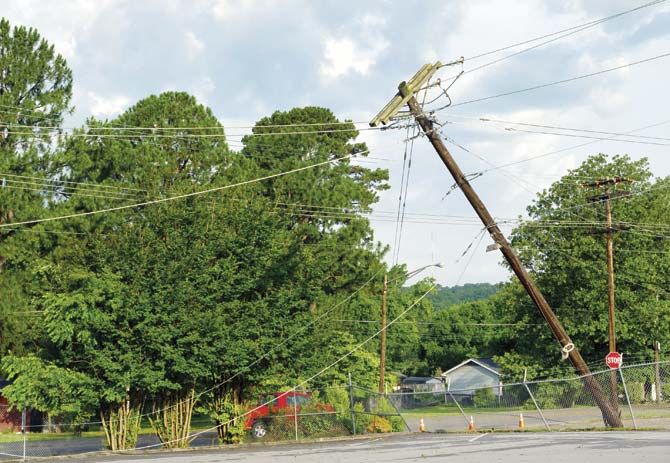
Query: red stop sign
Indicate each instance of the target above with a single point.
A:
(614, 360)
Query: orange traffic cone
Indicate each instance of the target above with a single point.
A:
(471, 425)
(521, 423)
(422, 426)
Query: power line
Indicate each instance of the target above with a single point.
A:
(571, 79)
(563, 34)
(64, 193)
(172, 198)
(64, 189)
(56, 180)
(317, 374)
(597, 21)
(572, 135)
(197, 136)
(404, 198)
(556, 127)
(111, 127)
(567, 148)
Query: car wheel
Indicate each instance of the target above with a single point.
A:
(259, 429)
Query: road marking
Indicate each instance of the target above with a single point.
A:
(478, 437)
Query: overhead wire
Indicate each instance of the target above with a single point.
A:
(66, 190)
(57, 180)
(404, 199)
(524, 42)
(560, 35)
(591, 137)
(402, 185)
(177, 197)
(567, 148)
(557, 127)
(313, 376)
(563, 81)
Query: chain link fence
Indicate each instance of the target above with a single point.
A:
(325, 413)
(13, 437)
(290, 416)
(639, 395)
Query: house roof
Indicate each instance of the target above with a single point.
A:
(420, 380)
(487, 363)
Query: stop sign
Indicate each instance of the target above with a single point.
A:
(614, 360)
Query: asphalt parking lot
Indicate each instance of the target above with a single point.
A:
(593, 447)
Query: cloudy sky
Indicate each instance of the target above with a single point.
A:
(248, 58)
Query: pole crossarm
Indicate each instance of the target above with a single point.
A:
(415, 84)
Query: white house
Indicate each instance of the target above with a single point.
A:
(473, 374)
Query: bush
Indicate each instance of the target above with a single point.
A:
(484, 398)
(635, 392)
(379, 424)
(548, 395)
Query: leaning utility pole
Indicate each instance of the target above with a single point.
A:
(406, 96)
(382, 357)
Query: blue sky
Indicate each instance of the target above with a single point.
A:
(246, 59)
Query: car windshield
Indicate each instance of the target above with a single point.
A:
(296, 400)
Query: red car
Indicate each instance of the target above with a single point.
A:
(292, 402)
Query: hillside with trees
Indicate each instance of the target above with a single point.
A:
(447, 296)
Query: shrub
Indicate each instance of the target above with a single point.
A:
(379, 424)
(484, 398)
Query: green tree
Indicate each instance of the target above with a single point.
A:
(563, 246)
(196, 295)
(35, 92)
(64, 395)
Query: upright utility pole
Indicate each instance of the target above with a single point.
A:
(382, 357)
(610, 277)
(406, 96)
(609, 235)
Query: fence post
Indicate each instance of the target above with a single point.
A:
(539, 410)
(625, 390)
(386, 397)
(657, 371)
(351, 405)
(465, 417)
(295, 415)
(23, 430)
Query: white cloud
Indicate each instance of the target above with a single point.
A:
(107, 106)
(341, 56)
(203, 88)
(356, 51)
(194, 46)
(237, 10)
(66, 46)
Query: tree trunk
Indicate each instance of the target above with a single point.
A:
(121, 424)
(172, 419)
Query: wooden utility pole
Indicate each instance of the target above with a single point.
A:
(609, 236)
(406, 96)
(610, 277)
(382, 356)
